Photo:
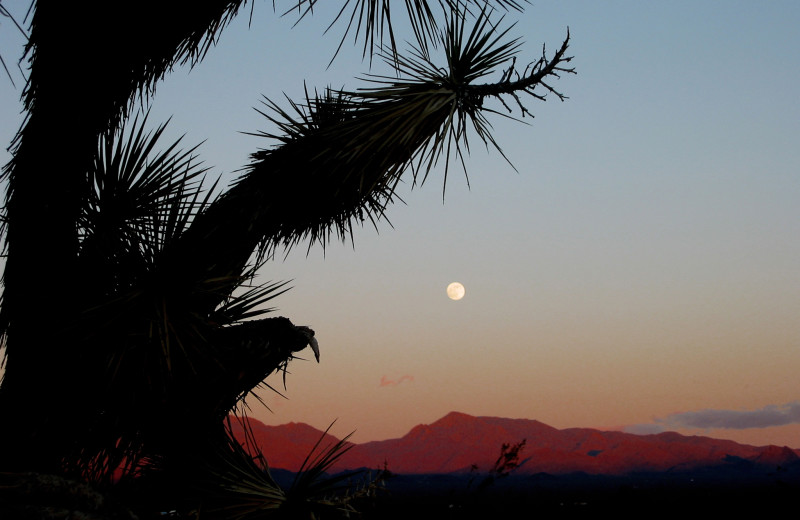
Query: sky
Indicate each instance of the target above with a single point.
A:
(640, 270)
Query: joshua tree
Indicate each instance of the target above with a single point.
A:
(128, 313)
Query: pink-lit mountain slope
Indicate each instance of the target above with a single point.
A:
(457, 441)
(284, 446)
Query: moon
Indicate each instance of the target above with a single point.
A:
(455, 291)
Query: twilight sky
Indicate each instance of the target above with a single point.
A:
(641, 271)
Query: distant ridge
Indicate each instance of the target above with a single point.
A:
(457, 441)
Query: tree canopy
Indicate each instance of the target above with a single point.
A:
(159, 330)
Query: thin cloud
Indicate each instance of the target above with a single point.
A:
(643, 429)
(772, 415)
(385, 381)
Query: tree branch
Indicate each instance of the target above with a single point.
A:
(540, 70)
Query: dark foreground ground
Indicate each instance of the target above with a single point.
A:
(714, 493)
(573, 496)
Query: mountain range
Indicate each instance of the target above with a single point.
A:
(459, 443)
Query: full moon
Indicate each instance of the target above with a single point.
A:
(455, 291)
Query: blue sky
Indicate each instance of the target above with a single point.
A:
(642, 263)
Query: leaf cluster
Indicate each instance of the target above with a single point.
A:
(356, 145)
(373, 19)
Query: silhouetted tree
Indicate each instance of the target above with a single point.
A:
(127, 317)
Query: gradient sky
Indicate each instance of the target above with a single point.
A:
(641, 271)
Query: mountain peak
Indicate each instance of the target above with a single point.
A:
(454, 419)
(775, 455)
